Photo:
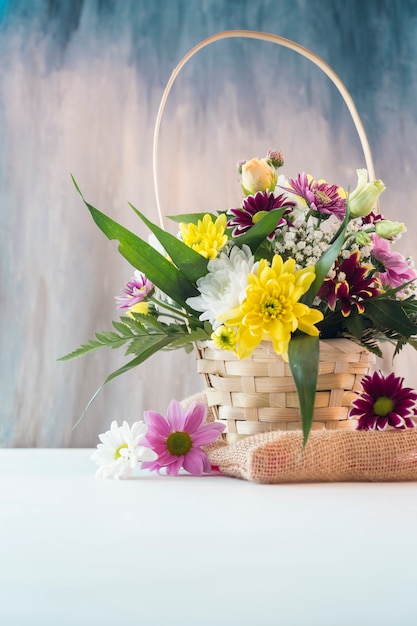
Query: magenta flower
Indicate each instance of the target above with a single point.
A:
(372, 218)
(254, 208)
(320, 197)
(393, 269)
(351, 285)
(177, 439)
(384, 402)
(135, 290)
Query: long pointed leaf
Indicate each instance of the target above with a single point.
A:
(326, 261)
(390, 314)
(144, 257)
(154, 345)
(303, 356)
(192, 264)
(256, 235)
(189, 218)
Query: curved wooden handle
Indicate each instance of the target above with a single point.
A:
(281, 41)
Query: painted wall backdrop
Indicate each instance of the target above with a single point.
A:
(80, 85)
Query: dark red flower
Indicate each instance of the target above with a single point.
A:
(351, 285)
(384, 402)
(254, 208)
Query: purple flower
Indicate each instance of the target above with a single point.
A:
(393, 268)
(320, 197)
(254, 208)
(136, 291)
(177, 439)
(384, 402)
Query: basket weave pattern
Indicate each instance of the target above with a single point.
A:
(258, 394)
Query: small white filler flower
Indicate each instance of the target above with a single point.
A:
(120, 451)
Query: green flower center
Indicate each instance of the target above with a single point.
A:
(179, 443)
(271, 307)
(383, 406)
(117, 454)
(225, 338)
(258, 216)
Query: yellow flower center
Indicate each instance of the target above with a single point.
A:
(117, 454)
(323, 197)
(258, 216)
(271, 307)
(383, 406)
(179, 443)
(225, 338)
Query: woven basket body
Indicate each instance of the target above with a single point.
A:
(258, 394)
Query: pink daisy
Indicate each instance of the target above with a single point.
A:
(384, 402)
(177, 439)
(394, 270)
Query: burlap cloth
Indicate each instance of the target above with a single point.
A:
(329, 456)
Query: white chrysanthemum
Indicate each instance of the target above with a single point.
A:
(224, 286)
(120, 451)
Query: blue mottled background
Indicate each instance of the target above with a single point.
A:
(80, 85)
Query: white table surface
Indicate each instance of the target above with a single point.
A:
(186, 551)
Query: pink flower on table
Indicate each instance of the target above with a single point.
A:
(384, 402)
(177, 439)
(393, 269)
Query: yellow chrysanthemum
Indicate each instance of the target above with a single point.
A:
(271, 310)
(225, 337)
(206, 237)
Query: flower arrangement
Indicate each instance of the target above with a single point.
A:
(299, 259)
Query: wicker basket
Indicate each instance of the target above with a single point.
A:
(258, 394)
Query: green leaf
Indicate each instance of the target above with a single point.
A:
(257, 234)
(355, 325)
(390, 314)
(190, 337)
(192, 264)
(145, 258)
(303, 356)
(153, 344)
(104, 339)
(190, 218)
(326, 261)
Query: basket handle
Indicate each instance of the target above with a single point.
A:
(281, 41)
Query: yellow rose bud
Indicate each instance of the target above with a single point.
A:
(362, 199)
(258, 175)
(387, 229)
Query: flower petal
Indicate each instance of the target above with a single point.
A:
(207, 434)
(194, 417)
(196, 462)
(175, 416)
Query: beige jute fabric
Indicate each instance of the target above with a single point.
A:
(329, 456)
